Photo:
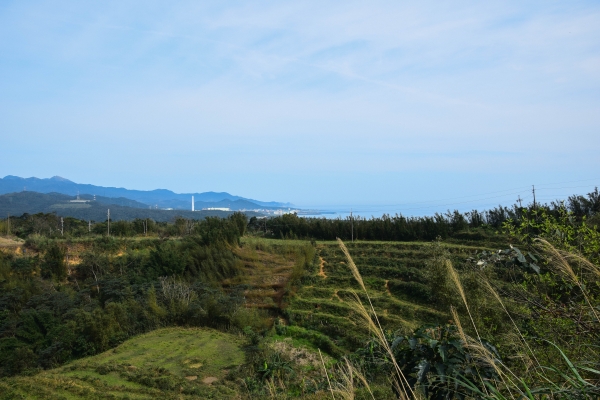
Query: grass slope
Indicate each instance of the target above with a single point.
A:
(167, 363)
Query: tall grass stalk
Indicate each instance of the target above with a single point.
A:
(345, 388)
(372, 323)
(361, 378)
(326, 375)
(479, 351)
(508, 385)
(477, 347)
(560, 262)
(495, 294)
(573, 385)
(456, 279)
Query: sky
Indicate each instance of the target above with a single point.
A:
(416, 107)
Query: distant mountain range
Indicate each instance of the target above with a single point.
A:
(158, 198)
(19, 203)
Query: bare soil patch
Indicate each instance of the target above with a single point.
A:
(322, 268)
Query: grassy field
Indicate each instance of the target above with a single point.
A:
(167, 363)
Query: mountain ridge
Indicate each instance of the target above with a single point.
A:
(19, 203)
(162, 198)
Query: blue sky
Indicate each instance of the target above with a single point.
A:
(380, 103)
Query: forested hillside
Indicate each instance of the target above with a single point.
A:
(17, 204)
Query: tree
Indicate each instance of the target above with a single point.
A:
(54, 263)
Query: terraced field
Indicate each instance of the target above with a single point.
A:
(167, 363)
(270, 267)
(394, 275)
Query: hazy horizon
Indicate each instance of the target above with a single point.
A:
(479, 201)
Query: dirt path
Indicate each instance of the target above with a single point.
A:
(321, 268)
(335, 295)
(387, 287)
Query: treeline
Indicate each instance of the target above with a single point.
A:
(452, 224)
(54, 226)
(61, 300)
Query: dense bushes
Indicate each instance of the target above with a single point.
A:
(119, 287)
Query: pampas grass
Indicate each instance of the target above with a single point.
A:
(456, 280)
(371, 322)
(559, 260)
(508, 385)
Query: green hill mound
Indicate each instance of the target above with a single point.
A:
(167, 363)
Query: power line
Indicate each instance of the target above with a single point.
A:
(581, 180)
(564, 187)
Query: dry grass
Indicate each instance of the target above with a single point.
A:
(456, 280)
(559, 260)
(520, 336)
(372, 324)
(509, 384)
(266, 275)
(10, 242)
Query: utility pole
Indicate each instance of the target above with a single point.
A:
(352, 225)
(534, 205)
(62, 227)
(108, 227)
(519, 200)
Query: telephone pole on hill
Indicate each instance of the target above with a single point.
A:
(519, 200)
(62, 227)
(352, 225)
(533, 190)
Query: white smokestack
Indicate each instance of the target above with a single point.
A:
(192, 203)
